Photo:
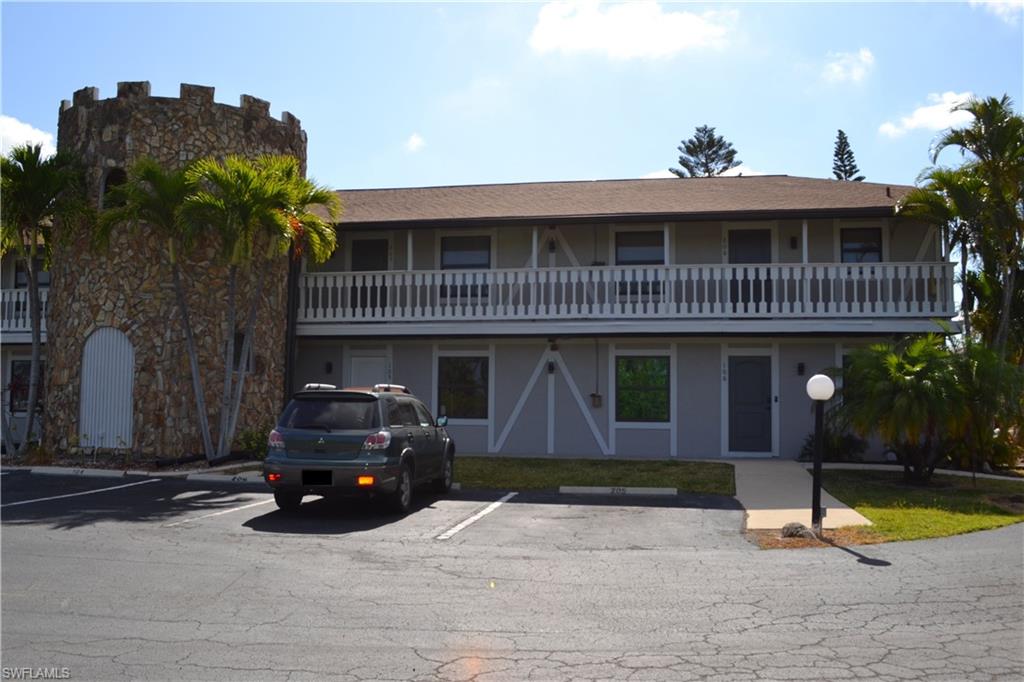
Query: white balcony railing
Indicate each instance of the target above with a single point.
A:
(826, 290)
(14, 310)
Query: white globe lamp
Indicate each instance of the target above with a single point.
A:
(820, 387)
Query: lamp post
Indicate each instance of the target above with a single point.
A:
(820, 389)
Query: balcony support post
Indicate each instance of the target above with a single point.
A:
(533, 249)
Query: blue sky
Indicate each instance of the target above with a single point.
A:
(398, 95)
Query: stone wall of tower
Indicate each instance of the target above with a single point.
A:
(128, 286)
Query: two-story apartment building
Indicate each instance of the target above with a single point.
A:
(629, 318)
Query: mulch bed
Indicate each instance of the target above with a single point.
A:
(840, 537)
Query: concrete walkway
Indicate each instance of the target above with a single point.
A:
(776, 492)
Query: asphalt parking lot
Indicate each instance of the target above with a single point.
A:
(137, 578)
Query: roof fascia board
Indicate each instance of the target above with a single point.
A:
(796, 214)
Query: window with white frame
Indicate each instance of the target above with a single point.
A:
(462, 386)
(635, 248)
(21, 275)
(860, 244)
(465, 252)
(642, 388)
(18, 384)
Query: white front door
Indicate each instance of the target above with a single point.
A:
(369, 370)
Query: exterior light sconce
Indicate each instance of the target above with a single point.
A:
(551, 367)
(800, 369)
(595, 399)
(793, 242)
(552, 345)
(328, 367)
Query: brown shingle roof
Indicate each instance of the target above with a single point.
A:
(767, 196)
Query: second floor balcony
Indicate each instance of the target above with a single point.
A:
(15, 319)
(699, 298)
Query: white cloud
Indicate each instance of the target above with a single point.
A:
(658, 174)
(938, 115)
(741, 169)
(14, 133)
(1009, 11)
(415, 143)
(843, 67)
(640, 29)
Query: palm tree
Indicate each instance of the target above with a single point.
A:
(994, 141)
(907, 394)
(259, 209)
(993, 395)
(951, 199)
(153, 198)
(36, 192)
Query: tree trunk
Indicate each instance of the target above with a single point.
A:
(229, 361)
(35, 316)
(1003, 330)
(964, 312)
(5, 423)
(190, 344)
(250, 326)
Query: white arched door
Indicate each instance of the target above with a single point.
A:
(108, 374)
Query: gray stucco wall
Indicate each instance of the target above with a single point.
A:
(697, 409)
(796, 416)
(700, 395)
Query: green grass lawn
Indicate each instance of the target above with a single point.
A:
(948, 505)
(513, 473)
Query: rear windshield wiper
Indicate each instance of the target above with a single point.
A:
(313, 426)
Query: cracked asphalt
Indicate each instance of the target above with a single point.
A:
(545, 587)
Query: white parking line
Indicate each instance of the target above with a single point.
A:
(475, 517)
(218, 513)
(87, 492)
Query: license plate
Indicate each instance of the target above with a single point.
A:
(315, 477)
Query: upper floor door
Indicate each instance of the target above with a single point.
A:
(750, 247)
(370, 255)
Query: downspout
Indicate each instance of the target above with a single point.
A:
(291, 322)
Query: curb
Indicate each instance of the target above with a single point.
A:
(851, 466)
(241, 479)
(79, 471)
(609, 490)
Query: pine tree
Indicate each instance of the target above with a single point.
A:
(843, 165)
(705, 155)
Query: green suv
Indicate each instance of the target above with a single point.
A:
(378, 442)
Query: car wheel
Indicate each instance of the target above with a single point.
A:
(401, 499)
(443, 484)
(287, 500)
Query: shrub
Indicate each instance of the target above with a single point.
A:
(253, 441)
(837, 447)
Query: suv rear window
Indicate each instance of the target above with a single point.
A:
(336, 414)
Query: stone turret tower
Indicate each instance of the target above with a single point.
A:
(117, 369)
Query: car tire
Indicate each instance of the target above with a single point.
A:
(400, 501)
(443, 484)
(288, 500)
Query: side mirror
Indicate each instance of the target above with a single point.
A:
(442, 421)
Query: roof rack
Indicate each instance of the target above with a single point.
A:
(390, 388)
(319, 387)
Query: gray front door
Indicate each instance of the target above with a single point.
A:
(750, 403)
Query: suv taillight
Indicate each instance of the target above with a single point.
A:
(377, 441)
(275, 441)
